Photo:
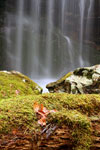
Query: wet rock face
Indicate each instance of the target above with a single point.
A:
(82, 80)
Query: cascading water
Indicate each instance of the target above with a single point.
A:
(68, 40)
(32, 40)
(89, 29)
(49, 30)
(70, 49)
(40, 37)
(82, 11)
(19, 36)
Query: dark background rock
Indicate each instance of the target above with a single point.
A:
(2, 47)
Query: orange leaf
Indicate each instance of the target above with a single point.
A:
(41, 107)
(36, 107)
(14, 131)
(46, 111)
(42, 121)
(43, 112)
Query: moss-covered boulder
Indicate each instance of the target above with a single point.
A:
(14, 83)
(82, 80)
(72, 126)
(59, 86)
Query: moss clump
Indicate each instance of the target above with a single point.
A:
(14, 83)
(79, 124)
(74, 111)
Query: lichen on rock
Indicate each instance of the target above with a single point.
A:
(82, 80)
(14, 83)
(58, 86)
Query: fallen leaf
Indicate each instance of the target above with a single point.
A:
(36, 107)
(14, 131)
(42, 121)
(43, 112)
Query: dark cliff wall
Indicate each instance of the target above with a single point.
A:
(97, 23)
(2, 20)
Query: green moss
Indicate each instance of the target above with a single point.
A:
(10, 82)
(64, 77)
(17, 113)
(74, 111)
(61, 80)
(79, 124)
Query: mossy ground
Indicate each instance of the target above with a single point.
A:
(74, 111)
(13, 82)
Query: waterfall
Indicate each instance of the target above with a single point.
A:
(33, 39)
(89, 30)
(82, 11)
(70, 49)
(14, 37)
(40, 36)
(90, 8)
(49, 31)
(63, 16)
(19, 36)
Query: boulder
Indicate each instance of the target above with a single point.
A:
(14, 83)
(82, 80)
